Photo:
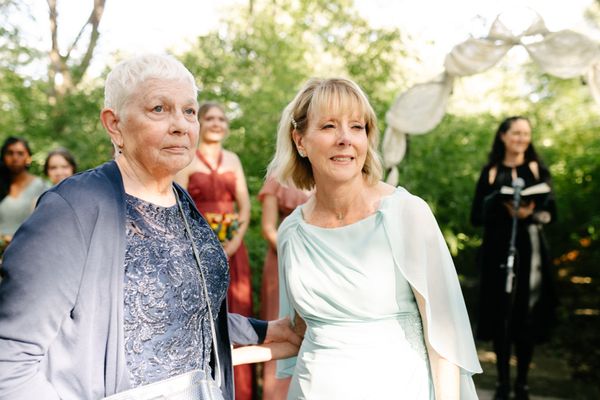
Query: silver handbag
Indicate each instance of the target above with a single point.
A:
(193, 385)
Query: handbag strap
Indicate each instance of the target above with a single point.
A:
(205, 290)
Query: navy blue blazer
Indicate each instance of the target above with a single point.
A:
(61, 297)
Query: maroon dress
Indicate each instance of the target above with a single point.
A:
(215, 192)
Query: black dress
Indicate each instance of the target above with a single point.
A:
(534, 296)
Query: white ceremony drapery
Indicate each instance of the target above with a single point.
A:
(564, 54)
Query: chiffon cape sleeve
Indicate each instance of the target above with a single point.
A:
(421, 254)
(286, 256)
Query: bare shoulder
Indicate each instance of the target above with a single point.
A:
(492, 174)
(535, 169)
(231, 160)
(230, 156)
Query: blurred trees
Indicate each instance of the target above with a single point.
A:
(254, 64)
(260, 57)
(44, 93)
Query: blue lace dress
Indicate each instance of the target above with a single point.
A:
(167, 331)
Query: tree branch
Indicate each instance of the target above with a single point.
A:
(54, 52)
(94, 20)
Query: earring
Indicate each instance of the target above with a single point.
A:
(302, 153)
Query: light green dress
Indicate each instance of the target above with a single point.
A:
(364, 337)
(15, 210)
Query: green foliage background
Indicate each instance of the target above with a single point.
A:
(255, 63)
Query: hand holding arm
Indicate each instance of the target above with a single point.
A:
(280, 330)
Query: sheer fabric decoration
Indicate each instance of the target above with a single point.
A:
(565, 54)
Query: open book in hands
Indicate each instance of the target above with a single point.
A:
(535, 192)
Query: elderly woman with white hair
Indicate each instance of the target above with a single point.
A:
(364, 264)
(110, 284)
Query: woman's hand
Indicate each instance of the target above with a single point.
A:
(280, 330)
(231, 246)
(523, 211)
(299, 326)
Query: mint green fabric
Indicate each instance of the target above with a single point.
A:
(354, 286)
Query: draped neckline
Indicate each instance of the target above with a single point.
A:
(378, 211)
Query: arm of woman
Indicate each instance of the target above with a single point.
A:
(270, 219)
(263, 352)
(242, 199)
(482, 208)
(42, 272)
(445, 375)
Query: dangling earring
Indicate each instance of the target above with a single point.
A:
(302, 153)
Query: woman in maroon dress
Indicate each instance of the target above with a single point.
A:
(277, 203)
(215, 180)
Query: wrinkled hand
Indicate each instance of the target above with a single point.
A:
(280, 330)
(299, 326)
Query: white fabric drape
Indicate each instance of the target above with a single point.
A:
(564, 54)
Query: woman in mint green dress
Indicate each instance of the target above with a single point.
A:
(363, 264)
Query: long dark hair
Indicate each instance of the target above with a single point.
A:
(64, 153)
(5, 175)
(498, 151)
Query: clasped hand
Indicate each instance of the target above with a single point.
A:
(523, 212)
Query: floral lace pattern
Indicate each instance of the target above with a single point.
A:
(167, 331)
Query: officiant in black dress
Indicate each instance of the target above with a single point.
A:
(524, 317)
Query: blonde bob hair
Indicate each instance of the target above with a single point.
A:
(316, 96)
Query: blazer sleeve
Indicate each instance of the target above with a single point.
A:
(42, 270)
(244, 330)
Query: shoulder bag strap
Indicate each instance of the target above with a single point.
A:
(205, 290)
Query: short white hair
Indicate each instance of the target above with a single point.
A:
(122, 81)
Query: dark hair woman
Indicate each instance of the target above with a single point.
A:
(19, 189)
(524, 316)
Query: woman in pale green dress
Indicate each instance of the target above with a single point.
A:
(363, 265)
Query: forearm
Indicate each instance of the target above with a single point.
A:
(446, 377)
(270, 236)
(270, 219)
(243, 219)
(263, 353)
